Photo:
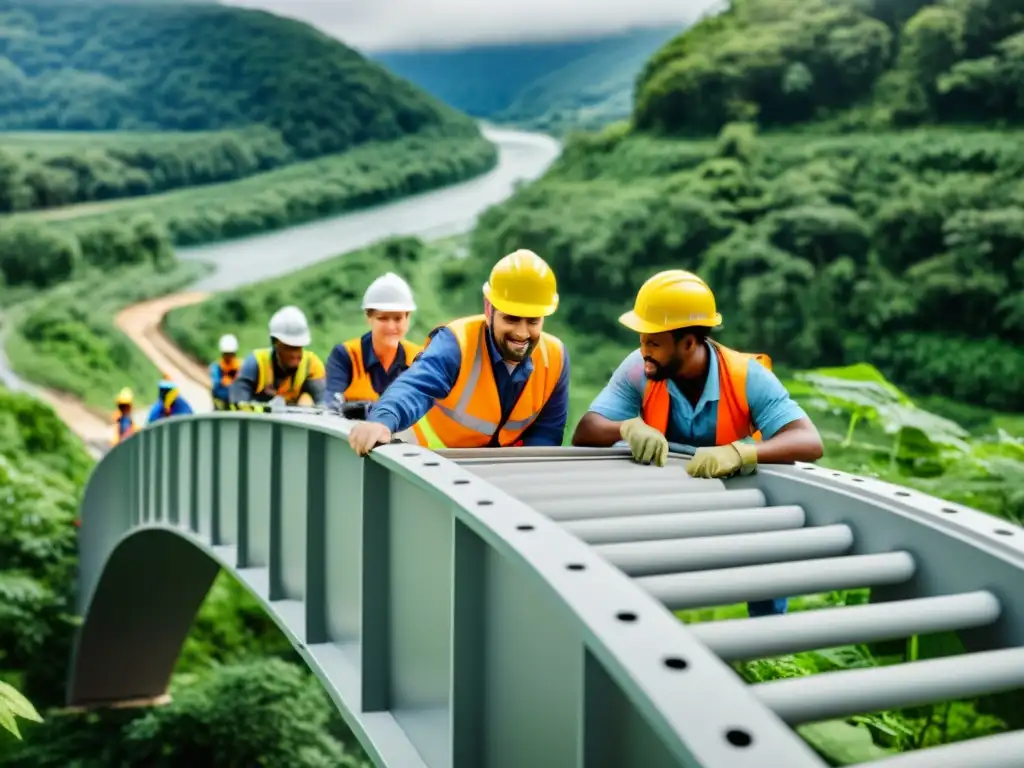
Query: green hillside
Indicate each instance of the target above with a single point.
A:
(68, 65)
(550, 86)
(902, 249)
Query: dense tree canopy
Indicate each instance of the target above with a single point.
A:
(113, 66)
(869, 63)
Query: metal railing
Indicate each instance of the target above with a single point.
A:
(513, 607)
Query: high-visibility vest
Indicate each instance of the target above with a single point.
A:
(734, 422)
(290, 389)
(228, 373)
(470, 415)
(361, 386)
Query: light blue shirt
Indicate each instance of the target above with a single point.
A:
(771, 407)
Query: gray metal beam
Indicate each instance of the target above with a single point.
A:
(1004, 750)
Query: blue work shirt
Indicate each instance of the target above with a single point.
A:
(339, 368)
(771, 407)
(219, 391)
(179, 407)
(416, 391)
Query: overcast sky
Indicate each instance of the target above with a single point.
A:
(387, 24)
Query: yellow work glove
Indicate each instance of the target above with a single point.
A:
(723, 460)
(648, 445)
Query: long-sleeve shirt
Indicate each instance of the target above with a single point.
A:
(243, 388)
(433, 376)
(179, 407)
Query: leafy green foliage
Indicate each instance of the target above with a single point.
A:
(899, 249)
(859, 64)
(368, 175)
(118, 66)
(48, 170)
(13, 705)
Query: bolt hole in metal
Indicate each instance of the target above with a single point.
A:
(484, 503)
(676, 663)
(626, 616)
(431, 464)
(410, 454)
(461, 481)
(524, 527)
(902, 493)
(739, 738)
(576, 567)
(1004, 532)
(949, 510)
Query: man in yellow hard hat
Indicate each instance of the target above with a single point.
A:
(682, 387)
(487, 380)
(124, 424)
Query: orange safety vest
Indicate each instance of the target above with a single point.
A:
(228, 373)
(361, 387)
(470, 415)
(734, 422)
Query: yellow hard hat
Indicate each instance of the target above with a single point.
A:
(124, 397)
(523, 285)
(670, 300)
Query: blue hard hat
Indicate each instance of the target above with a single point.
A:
(165, 384)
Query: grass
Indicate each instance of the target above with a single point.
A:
(48, 143)
(65, 338)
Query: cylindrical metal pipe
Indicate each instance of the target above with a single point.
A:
(739, 639)
(642, 558)
(1002, 750)
(726, 586)
(841, 694)
(593, 486)
(587, 509)
(679, 525)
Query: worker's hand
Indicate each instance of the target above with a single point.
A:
(723, 460)
(366, 435)
(648, 445)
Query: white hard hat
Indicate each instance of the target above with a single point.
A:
(389, 293)
(228, 343)
(289, 326)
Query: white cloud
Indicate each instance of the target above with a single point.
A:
(386, 24)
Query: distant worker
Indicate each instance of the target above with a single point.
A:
(682, 387)
(124, 424)
(286, 369)
(224, 372)
(489, 380)
(169, 402)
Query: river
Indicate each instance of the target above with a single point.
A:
(443, 212)
(448, 211)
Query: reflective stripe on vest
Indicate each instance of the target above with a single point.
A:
(291, 387)
(734, 421)
(469, 416)
(361, 385)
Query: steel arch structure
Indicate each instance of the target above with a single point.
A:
(513, 607)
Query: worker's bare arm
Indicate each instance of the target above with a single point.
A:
(797, 441)
(596, 431)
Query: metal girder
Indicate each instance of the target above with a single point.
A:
(470, 609)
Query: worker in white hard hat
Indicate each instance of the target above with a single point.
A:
(224, 371)
(360, 369)
(286, 369)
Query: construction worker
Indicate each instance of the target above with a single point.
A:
(491, 380)
(169, 402)
(124, 424)
(224, 371)
(286, 369)
(682, 387)
(362, 368)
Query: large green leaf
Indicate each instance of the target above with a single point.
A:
(14, 705)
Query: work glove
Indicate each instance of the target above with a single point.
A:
(648, 445)
(723, 460)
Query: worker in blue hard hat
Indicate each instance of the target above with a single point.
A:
(169, 402)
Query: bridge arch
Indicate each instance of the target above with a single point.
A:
(475, 608)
